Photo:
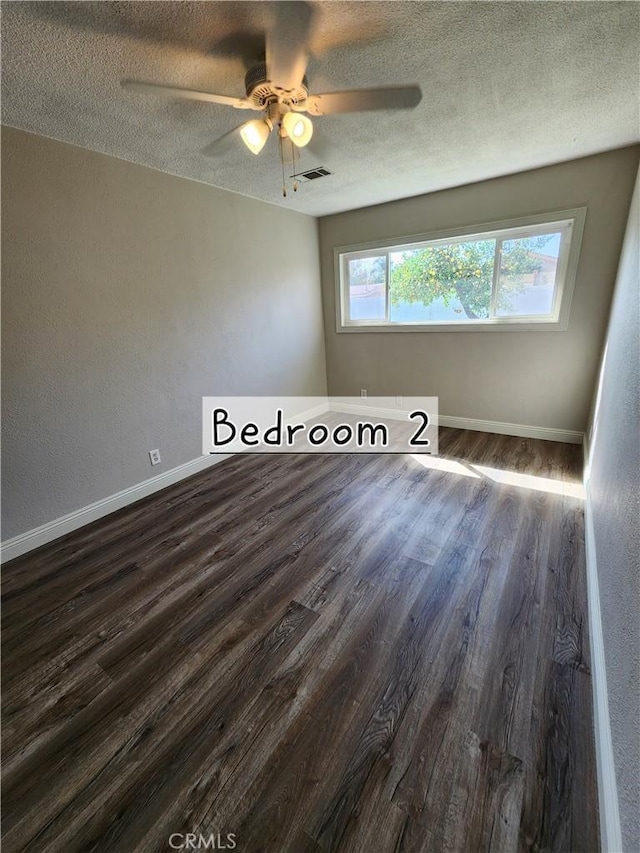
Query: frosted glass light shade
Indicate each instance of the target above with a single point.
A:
(254, 134)
(299, 128)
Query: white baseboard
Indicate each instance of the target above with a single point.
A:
(610, 831)
(32, 539)
(567, 436)
(308, 414)
(25, 542)
(370, 411)
(564, 435)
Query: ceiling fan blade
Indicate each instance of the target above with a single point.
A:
(247, 46)
(357, 100)
(189, 94)
(223, 143)
(287, 49)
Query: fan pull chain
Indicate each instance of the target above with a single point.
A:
(284, 187)
(295, 155)
(293, 166)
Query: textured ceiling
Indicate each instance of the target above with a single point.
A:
(506, 87)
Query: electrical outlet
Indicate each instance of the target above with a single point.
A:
(154, 456)
(363, 392)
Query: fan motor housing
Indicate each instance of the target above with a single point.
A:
(262, 92)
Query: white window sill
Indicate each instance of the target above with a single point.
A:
(525, 325)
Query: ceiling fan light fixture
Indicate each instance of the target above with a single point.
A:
(255, 133)
(299, 128)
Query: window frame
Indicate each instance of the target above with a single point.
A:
(572, 225)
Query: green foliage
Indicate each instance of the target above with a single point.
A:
(462, 272)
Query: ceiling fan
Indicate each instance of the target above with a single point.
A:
(278, 88)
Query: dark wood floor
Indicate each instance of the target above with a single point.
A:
(314, 653)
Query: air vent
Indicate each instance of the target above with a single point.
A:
(314, 174)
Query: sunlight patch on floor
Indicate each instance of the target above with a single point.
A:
(531, 481)
(499, 475)
(437, 463)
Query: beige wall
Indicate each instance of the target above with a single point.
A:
(615, 500)
(542, 379)
(128, 294)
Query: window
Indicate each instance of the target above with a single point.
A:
(503, 276)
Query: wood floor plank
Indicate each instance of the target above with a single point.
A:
(121, 626)
(484, 812)
(444, 686)
(349, 674)
(570, 644)
(33, 725)
(105, 539)
(316, 653)
(508, 690)
(141, 633)
(191, 737)
(209, 767)
(371, 745)
(559, 811)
